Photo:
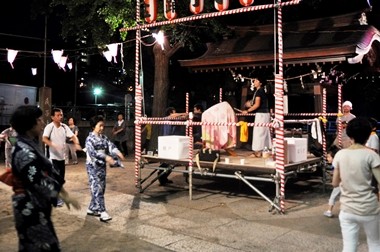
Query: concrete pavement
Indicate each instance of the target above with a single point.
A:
(224, 215)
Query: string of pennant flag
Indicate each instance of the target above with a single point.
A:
(111, 54)
(61, 60)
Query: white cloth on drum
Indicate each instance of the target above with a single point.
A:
(261, 134)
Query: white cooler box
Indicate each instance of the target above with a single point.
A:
(297, 149)
(173, 147)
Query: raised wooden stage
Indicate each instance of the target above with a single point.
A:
(253, 169)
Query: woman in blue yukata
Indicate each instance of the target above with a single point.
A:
(36, 184)
(100, 151)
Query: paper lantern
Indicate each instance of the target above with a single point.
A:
(150, 13)
(169, 9)
(246, 2)
(221, 5)
(196, 6)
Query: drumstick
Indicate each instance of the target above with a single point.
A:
(238, 110)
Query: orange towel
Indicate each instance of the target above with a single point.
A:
(243, 131)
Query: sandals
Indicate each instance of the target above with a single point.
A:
(231, 152)
(256, 154)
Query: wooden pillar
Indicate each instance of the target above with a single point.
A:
(317, 98)
(44, 94)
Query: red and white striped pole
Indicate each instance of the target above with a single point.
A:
(138, 99)
(220, 94)
(279, 110)
(324, 110)
(187, 103)
(187, 111)
(340, 116)
(191, 148)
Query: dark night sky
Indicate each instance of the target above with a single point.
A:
(19, 32)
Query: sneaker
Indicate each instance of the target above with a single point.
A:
(60, 203)
(92, 213)
(328, 214)
(75, 163)
(105, 217)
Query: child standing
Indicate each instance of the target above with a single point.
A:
(10, 136)
(336, 191)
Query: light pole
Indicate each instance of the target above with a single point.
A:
(97, 91)
(70, 66)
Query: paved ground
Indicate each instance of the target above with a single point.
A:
(224, 215)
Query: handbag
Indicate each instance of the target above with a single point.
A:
(7, 177)
(68, 140)
(208, 155)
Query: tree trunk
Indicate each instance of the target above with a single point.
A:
(161, 85)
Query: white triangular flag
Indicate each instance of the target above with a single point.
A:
(62, 62)
(112, 48)
(107, 55)
(57, 54)
(11, 56)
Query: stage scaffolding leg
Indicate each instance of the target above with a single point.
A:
(138, 182)
(324, 177)
(277, 199)
(165, 171)
(190, 182)
(273, 204)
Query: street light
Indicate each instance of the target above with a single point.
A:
(97, 91)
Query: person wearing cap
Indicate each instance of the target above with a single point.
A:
(259, 104)
(345, 118)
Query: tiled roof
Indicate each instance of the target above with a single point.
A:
(332, 39)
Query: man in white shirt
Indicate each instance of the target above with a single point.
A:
(55, 134)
